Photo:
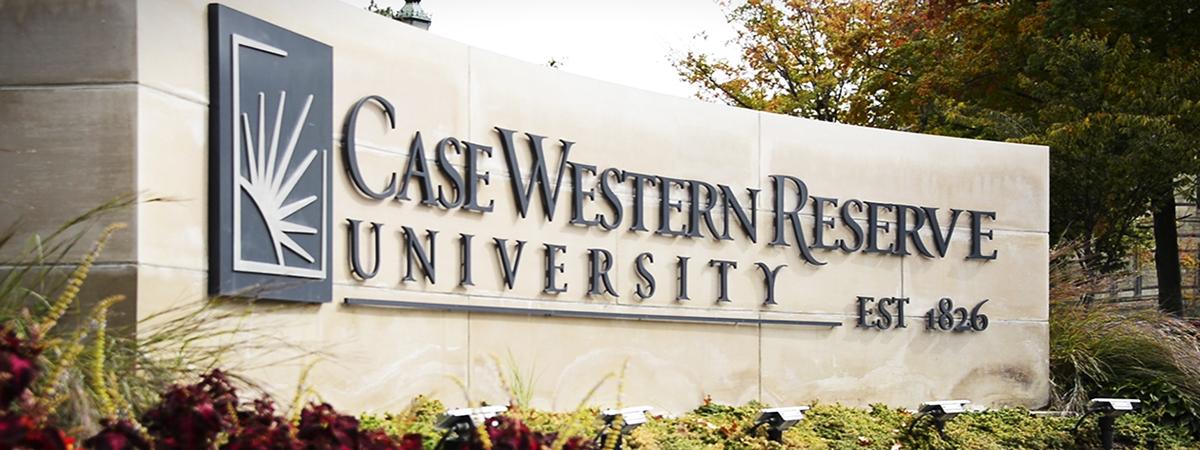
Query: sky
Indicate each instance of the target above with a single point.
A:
(623, 41)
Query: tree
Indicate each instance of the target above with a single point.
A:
(792, 61)
(1112, 86)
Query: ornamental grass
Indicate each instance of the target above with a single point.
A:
(1106, 348)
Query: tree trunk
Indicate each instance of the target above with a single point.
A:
(1166, 254)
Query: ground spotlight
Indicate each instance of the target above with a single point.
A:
(1108, 409)
(460, 423)
(778, 420)
(630, 418)
(940, 412)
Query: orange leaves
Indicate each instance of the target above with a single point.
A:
(799, 57)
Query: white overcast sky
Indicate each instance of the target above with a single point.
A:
(622, 41)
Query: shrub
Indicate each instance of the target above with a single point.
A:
(92, 374)
(205, 415)
(829, 427)
(1105, 349)
(550, 430)
(418, 419)
(22, 418)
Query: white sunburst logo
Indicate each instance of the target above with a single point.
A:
(271, 137)
(269, 182)
(272, 178)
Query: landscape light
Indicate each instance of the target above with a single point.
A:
(778, 420)
(631, 418)
(941, 412)
(460, 424)
(1108, 409)
(1114, 406)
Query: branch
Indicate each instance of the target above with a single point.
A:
(712, 81)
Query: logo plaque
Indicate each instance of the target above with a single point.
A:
(271, 132)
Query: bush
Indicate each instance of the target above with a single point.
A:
(205, 415)
(1105, 349)
(558, 431)
(419, 419)
(835, 427)
(92, 372)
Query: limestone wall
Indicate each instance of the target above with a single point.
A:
(113, 97)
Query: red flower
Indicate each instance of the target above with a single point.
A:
(190, 417)
(412, 441)
(47, 438)
(378, 440)
(260, 428)
(224, 396)
(21, 431)
(118, 435)
(184, 419)
(263, 414)
(508, 433)
(511, 434)
(323, 428)
(13, 428)
(18, 366)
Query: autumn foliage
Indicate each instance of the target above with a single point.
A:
(1111, 86)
